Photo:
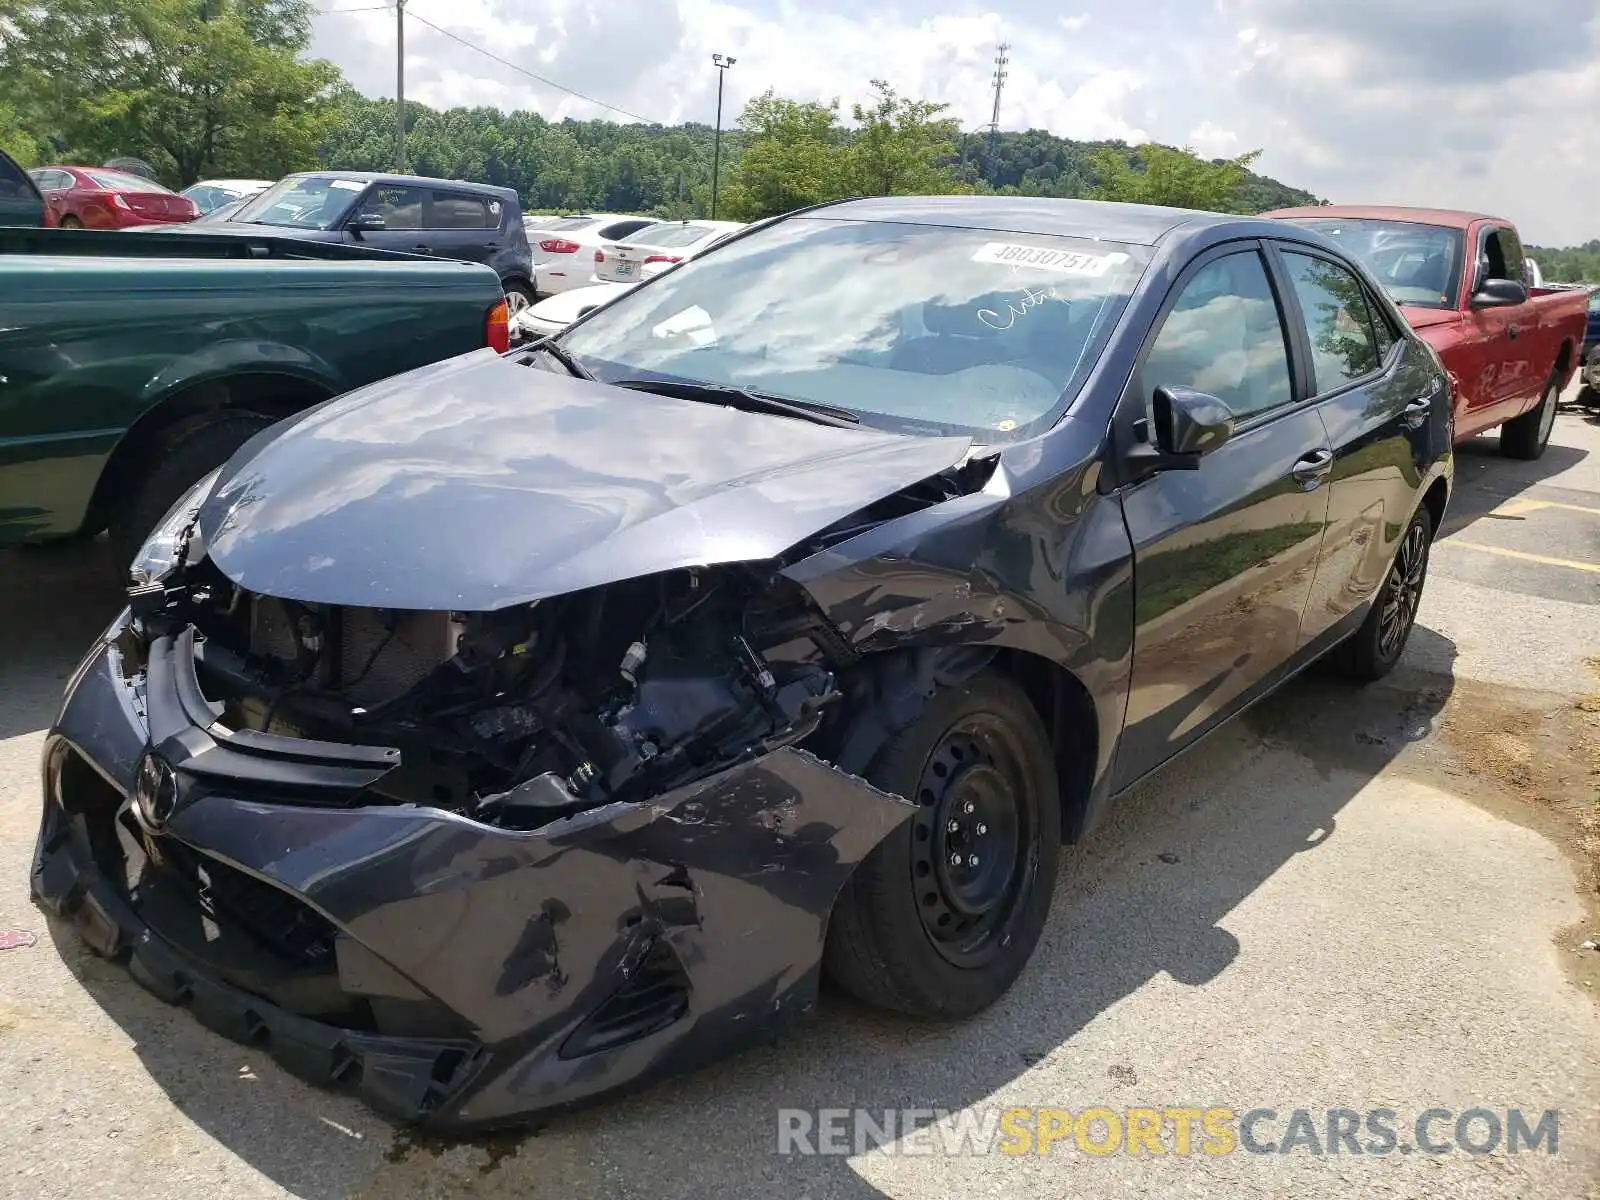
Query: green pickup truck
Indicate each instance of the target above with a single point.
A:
(133, 364)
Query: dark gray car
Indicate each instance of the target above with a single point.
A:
(475, 222)
(530, 725)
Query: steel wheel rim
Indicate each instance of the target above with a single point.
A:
(973, 841)
(1402, 593)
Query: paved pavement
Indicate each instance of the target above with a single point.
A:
(1356, 899)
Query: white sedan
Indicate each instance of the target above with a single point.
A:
(656, 247)
(554, 314)
(563, 249)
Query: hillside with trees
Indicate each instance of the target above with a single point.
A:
(1571, 264)
(224, 88)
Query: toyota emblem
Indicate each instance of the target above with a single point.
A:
(155, 790)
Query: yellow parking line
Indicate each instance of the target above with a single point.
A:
(1525, 556)
(1517, 508)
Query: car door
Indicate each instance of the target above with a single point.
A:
(462, 225)
(1373, 391)
(1224, 555)
(403, 209)
(1506, 377)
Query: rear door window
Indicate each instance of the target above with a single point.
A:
(455, 210)
(1339, 326)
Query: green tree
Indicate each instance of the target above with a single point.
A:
(1179, 178)
(196, 87)
(903, 147)
(793, 155)
(15, 139)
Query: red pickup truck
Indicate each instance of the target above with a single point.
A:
(1461, 280)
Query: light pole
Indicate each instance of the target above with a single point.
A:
(400, 86)
(723, 62)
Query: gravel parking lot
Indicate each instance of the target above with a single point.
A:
(1351, 899)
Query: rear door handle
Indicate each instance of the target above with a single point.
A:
(1312, 469)
(1415, 413)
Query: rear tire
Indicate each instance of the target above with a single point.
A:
(518, 297)
(70, 223)
(1527, 436)
(941, 918)
(1372, 651)
(183, 457)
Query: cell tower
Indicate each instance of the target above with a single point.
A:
(1000, 60)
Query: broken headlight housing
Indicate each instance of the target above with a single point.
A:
(159, 555)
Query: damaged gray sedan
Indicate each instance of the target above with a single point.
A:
(528, 726)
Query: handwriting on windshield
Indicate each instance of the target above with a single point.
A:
(1030, 299)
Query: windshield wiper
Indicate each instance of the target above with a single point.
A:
(561, 356)
(744, 399)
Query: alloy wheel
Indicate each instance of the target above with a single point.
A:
(1402, 593)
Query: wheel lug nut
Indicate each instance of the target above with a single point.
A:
(973, 861)
(952, 827)
(967, 808)
(983, 829)
(955, 860)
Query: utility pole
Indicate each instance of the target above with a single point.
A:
(723, 62)
(1000, 61)
(400, 85)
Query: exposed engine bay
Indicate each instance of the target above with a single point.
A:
(524, 715)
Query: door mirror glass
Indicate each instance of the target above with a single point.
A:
(1499, 293)
(1189, 423)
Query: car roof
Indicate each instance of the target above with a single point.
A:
(265, 183)
(1134, 224)
(460, 185)
(1450, 217)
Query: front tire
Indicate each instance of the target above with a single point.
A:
(1526, 437)
(185, 456)
(70, 223)
(1373, 650)
(940, 919)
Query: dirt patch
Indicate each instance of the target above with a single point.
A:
(1540, 754)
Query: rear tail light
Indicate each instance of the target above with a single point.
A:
(666, 258)
(497, 328)
(599, 256)
(558, 246)
(118, 202)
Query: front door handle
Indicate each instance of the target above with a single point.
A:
(1312, 469)
(1511, 332)
(1415, 413)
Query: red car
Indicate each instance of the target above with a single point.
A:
(100, 198)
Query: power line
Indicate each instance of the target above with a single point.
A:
(530, 74)
(333, 12)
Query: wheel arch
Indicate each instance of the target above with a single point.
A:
(1434, 500)
(274, 394)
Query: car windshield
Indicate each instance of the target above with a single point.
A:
(309, 202)
(115, 181)
(1416, 264)
(913, 328)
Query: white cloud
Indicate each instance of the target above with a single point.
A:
(1212, 141)
(1476, 103)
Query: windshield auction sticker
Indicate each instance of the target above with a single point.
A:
(1046, 258)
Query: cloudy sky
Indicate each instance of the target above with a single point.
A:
(1487, 104)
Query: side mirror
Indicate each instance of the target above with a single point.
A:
(366, 222)
(1499, 293)
(1187, 425)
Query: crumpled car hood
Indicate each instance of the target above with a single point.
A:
(478, 483)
